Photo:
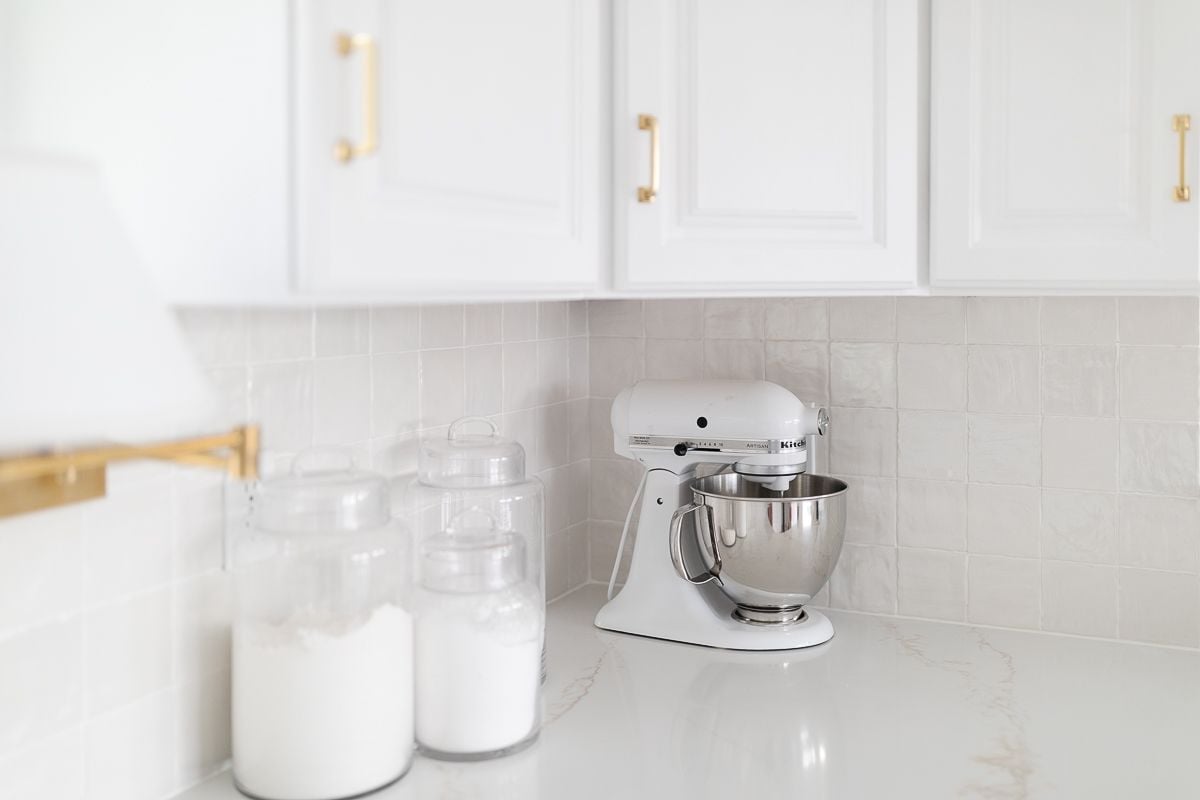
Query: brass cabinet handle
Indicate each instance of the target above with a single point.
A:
(346, 44)
(1181, 124)
(649, 122)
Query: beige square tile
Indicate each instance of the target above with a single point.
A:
(798, 319)
(862, 319)
(932, 514)
(442, 326)
(614, 364)
(443, 396)
(126, 545)
(202, 728)
(202, 616)
(1079, 453)
(279, 334)
(46, 769)
(43, 676)
(1159, 320)
(552, 320)
(932, 583)
(578, 351)
(1079, 599)
(1003, 520)
(128, 752)
(1160, 458)
(129, 650)
(1079, 381)
(870, 510)
(613, 483)
(862, 441)
(343, 331)
(518, 322)
(734, 359)
(674, 358)
(865, 579)
(1160, 383)
(1002, 320)
(483, 323)
(1159, 607)
(933, 444)
(600, 427)
(1159, 532)
(615, 318)
(674, 319)
(577, 317)
(1003, 380)
(579, 445)
(394, 394)
(281, 401)
(1079, 320)
(932, 376)
(553, 430)
(800, 367)
(1079, 526)
(932, 320)
(395, 329)
(484, 380)
(554, 371)
(1004, 591)
(342, 400)
(734, 318)
(863, 375)
(1004, 449)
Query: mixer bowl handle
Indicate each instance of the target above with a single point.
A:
(677, 546)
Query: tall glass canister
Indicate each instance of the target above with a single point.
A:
(481, 594)
(323, 703)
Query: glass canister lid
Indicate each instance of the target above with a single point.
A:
(465, 459)
(472, 555)
(323, 493)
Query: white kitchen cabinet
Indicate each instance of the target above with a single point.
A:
(489, 172)
(1054, 158)
(790, 145)
(184, 107)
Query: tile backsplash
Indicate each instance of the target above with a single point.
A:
(114, 614)
(1022, 462)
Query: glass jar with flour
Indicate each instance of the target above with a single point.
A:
(480, 628)
(323, 703)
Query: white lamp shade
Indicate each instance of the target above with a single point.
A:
(88, 353)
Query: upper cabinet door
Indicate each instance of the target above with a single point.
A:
(472, 157)
(1056, 158)
(183, 108)
(784, 144)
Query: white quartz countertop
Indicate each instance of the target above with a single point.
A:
(888, 709)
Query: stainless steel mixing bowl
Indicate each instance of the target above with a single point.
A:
(769, 551)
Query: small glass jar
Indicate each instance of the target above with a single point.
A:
(323, 704)
(478, 522)
(479, 635)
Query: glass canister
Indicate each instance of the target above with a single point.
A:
(480, 624)
(479, 526)
(323, 703)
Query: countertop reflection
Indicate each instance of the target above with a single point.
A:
(888, 709)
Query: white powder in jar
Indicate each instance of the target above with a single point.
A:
(318, 713)
(479, 662)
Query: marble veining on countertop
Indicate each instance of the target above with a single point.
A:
(891, 708)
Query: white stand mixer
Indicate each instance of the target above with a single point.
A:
(760, 430)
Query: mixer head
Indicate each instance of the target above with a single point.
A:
(758, 427)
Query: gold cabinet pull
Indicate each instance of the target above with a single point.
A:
(1181, 124)
(346, 44)
(649, 122)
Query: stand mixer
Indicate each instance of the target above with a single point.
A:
(766, 533)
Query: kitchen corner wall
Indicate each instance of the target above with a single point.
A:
(114, 614)
(1020, 462)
